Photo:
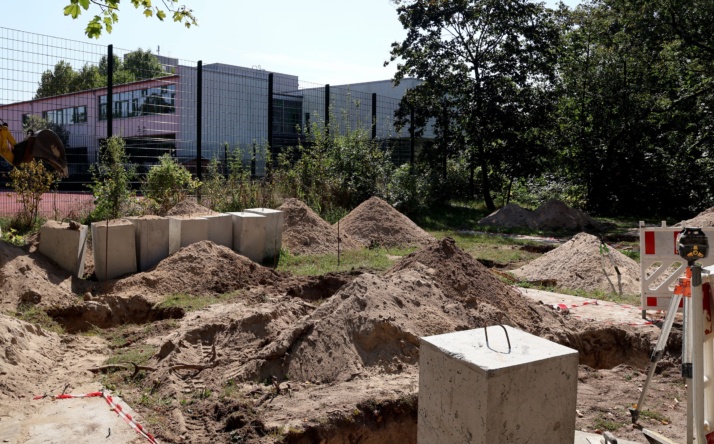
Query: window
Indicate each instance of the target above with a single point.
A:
(140, 102)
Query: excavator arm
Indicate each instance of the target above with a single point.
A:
(45, 145)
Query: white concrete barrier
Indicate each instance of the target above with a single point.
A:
(249, 235)
(273, 231)
(152, 240)
(220, 229)
(479, 391)
(64, 245)
(114, 248)
(186, 230)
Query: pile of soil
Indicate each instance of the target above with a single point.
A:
(701, 220)
(552, 215)
(31, 278)
(189, 208)
(304, 232)
(24, 349)
(202, 268)
(375, 222)
(578, 265)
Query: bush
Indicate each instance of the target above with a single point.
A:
(111, 178)
(168, 183)
(30, 181)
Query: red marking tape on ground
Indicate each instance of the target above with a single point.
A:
(568, 307)
(115, 407)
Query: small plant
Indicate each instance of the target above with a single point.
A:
(11, 236)
(602, 423)
(30, 181)
(168, 183)
(35, 315)
(656, 416)
(111, 178)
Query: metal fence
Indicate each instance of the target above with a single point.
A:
(159, 105)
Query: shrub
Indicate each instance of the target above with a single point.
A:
(168, 183)
(30, 181)
(111, 178)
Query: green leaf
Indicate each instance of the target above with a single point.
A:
(148, 12)
(84, 4)
(72, 10)
(161, 15)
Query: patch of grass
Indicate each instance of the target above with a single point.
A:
(377, 259)
(499, 249)
(656, 416)
(35, 315)
(138, 354)
(628, 299)
(605, 424)
(452, 216)
(192, 303)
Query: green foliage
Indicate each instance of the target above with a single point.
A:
(36, 123)
(111, 179)
(409, 190)
(192, 303)
(371, 259)
(168, 183)
(13, 237)
(30, 181)
(108, 14)
(35, 315)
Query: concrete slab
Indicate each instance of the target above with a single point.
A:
(249, 235)
(593, 438)
(220, 229)
(186, 230)
(114, 245)
(487, 386)
(65, 245)
(152, 240)
(273, 231)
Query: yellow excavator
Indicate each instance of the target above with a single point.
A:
(45, 145)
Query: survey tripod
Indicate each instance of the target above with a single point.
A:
(692, 245)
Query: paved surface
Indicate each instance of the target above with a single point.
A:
(582, 438)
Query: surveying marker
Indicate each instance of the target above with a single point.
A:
(692, 245)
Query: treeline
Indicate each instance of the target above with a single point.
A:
(608, 106)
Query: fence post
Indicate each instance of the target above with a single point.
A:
(327, 109)
(271, 116)
(411, 135)
(110, 91)
(199, 122)
(374, 115)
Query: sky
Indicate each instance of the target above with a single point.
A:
(321, 41)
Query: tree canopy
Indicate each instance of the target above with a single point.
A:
(108, 13)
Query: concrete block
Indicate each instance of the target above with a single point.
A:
(64, 245)
(273, 231)
(220, 229)
(114, 248)
(152, 240)
(249, 235)
(483, 392)
(186, 230)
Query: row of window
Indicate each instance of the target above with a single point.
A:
(140, 102)
(64, 116)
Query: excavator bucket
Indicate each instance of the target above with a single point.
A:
(45, 145)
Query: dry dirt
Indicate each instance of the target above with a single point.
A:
(552, 215)
(702, 220)
(292, 359)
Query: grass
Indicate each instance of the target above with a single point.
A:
(35, 315)
(138, 354)
(192, 303)
(378, 259)
(655, 416)
(498, 249)
(604, 424)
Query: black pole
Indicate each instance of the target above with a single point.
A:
(374, 115)
(327, 109)
(271, 114)
(199, 120)
(411, 136)
(110, 91)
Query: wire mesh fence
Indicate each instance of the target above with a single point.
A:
(159, 105)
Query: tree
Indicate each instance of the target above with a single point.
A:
(108, 13)
(56, 82)
(36, 123)
(143, 64)
(493, 61)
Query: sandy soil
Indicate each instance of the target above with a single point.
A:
(292, 359)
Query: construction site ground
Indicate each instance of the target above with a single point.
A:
(276, 357)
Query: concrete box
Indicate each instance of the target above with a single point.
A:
(186, 230)
(152, 240)
(64, 245)
(220, 229)
(114, 248)
(249, 235)
(482, 392)
(273, 231)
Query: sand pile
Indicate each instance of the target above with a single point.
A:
(189, 208)
(375, 222)
(33, 279)
(24, 349)
(552, 215)
(304, 232)
(198, 269)
(701, 220)
(578, 265)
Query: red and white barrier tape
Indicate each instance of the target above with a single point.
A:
(115, 407)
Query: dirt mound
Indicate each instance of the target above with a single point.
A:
(189, 208)
(578, 265)
(198, 269)
(24, 349)
(552, 215)
(304, 232)
(31, 278)
(701, 220)
(375, 222)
